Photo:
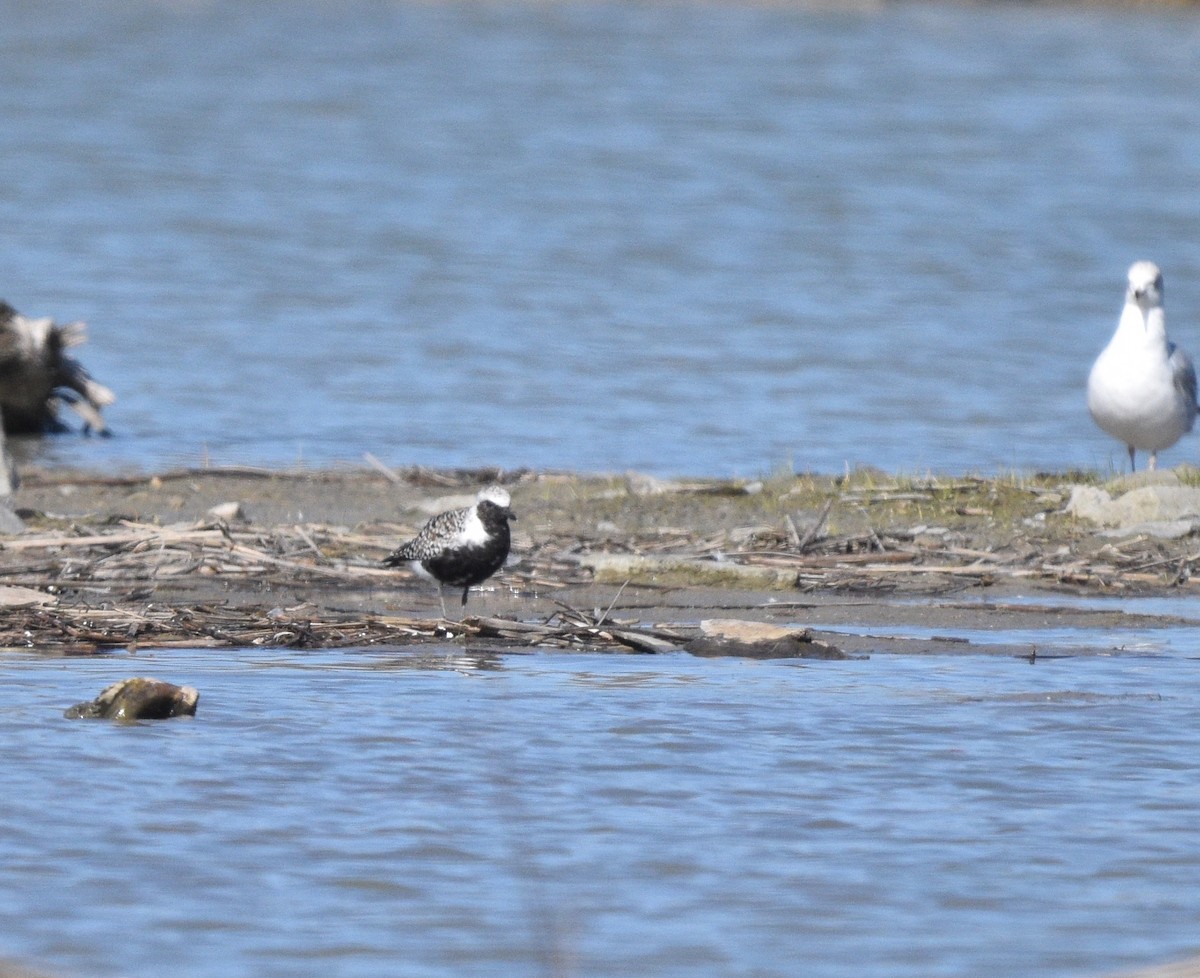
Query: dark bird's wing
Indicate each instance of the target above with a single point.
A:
(433, 539)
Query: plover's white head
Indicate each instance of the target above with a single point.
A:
(1145, 285)
(495, 494)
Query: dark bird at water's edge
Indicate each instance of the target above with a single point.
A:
(37, 375)
(461, 547)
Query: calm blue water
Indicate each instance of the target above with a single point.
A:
(436, 813)
(685, 238)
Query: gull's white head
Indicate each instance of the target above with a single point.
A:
(496, 495)
(1145, 285)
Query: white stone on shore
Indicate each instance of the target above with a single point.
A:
(741, 630)
(1168, 511)
(229, 512)
(15, 596)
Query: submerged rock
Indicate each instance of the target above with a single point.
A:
(36, 376)
(758, 640)
(138, 699)
(790, 647)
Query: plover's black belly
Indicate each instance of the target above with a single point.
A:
(468, 566)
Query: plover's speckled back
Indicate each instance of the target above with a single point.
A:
(461, 547)
(1142, 388)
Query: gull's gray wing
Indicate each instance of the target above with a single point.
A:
(1183, 372)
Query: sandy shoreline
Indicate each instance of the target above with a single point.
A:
(865, 561)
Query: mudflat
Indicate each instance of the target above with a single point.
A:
(858, 564)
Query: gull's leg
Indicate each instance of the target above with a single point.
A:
(1132, 467)
(1153, 460)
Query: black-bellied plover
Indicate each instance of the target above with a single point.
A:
(461, 547)
(1142, 388)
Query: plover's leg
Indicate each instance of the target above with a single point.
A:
(442, 600)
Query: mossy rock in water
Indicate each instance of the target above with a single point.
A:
(139, 699)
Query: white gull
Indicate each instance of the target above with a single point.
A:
(1142, 388)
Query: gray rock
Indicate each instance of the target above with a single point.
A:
(1160, 529)
(759, 640)
(1155, 509)
(1089, 503)
(229, 512)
